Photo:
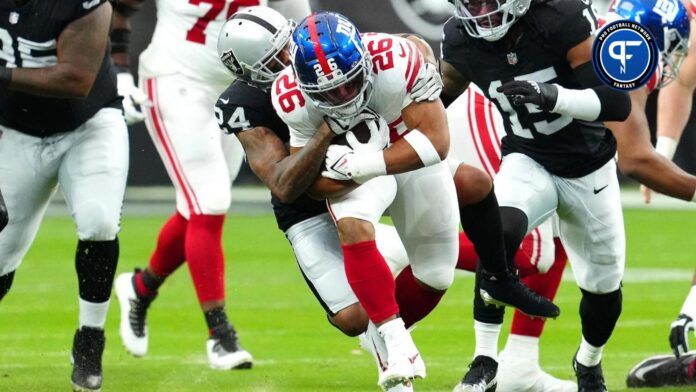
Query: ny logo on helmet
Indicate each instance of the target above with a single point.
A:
(667, 9)
(343, 26)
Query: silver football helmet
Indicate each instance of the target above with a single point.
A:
(251, 42)
(489, 19)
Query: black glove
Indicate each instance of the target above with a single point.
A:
(520, 92)
(679, 334)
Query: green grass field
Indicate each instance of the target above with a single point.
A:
(284, 327)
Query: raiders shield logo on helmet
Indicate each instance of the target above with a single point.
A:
(231, 62)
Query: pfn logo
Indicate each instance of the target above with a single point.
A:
(621, 54)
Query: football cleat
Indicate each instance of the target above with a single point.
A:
(506, 289)
(224, 351)
(133, 327)
(590, 378)
(371, 342)
(88, 347)
(663, 370)
(404, 362)
(481, 376)
(517, 374)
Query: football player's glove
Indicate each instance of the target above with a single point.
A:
(343, 164)
(428, 85)
(679, 334)
(339, 126)
(521, 92)
(134, 99)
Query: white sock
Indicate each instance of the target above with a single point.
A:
(522, 347)
(93, 314)
(589, 355)
(689, 307)
(486, 339)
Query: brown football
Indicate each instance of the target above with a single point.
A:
(361, 132)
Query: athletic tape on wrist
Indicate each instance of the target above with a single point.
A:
(369, 166)
(666, 146)
(580, 104)
(424, 148)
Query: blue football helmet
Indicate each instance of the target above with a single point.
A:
(668, 21)
(333, 68)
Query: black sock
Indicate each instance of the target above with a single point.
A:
(482, 224)
(599, 313)
(217, 320)
(150, 280)
(95, 263)
(485, 313)
(4, 217)
(6, 283)
(514, 229)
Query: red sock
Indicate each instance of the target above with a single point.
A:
(371, 280)
(415, 301)
(169, 253)
(204, 255)
(467, 254)
(545, 284)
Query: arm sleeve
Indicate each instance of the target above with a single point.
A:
(596, 102)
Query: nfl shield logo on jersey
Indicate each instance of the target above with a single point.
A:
(14, 18)
(512, 58)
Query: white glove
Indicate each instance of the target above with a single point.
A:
(379, 137)
(343, 164)
(428, 85)
(134, 99)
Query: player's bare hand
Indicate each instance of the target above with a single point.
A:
(679, 334)
(134, 99)
(428, 85)
(647, 194)
(521, 92)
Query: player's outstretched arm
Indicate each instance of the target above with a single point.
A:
(287, 176)
(594, 102)
(454, 83)
(638, 159)
(80, 48)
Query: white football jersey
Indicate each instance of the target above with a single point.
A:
(396, 63)
(185, 39)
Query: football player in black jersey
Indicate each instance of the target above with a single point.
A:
(532, 59)
(61, 123)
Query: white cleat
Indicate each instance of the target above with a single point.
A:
(404, 362)
(371, 342)
(517, 374)
(133, 327)
(224, 352)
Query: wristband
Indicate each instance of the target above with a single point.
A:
(5, 77)
(369, 166)
(689, 307)
(424, 148)
(580, 104)
(666, 146)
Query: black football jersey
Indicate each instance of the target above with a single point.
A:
(564, 146)
(242, 107)
(28, 39)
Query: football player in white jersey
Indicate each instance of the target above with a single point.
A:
(182, 77)
(335, 78)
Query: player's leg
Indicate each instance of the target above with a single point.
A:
(592, 231)
(356, 215)
(520, 369)
(527, 193)
(28, 170)
(4, 217)
(424, 213)
(92, 176)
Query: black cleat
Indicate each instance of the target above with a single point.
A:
(88, 347)
(663, 370)
(590, 379)
(224, 351)
(506, 289)
(481, 376)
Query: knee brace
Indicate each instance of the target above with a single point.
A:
(599, 313)
(5, 284)
(95, 263)
(96, 223)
